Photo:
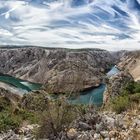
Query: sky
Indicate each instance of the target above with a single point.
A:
(105, 24)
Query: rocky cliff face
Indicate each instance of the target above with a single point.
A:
(115, 85)
(61, 70)
(131, 62)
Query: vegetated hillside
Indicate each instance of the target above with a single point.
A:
(35, 116)
(62, 70)
(131, 62)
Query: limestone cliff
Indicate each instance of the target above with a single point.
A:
(131, 62)
(60, 70)
(115, 85)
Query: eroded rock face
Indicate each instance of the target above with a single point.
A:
(60, 70)
(131, 62)
(115, 85)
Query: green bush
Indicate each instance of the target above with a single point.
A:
(8, 121)
(135, 98)
(32, 117)
(130, 96)
(137, 88)
(131, 88)
(5, 103)
(120, 104)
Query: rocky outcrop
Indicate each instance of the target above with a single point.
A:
(91, 126)
(60, 70)
(106, 126)
(115, 85)
(131, 62)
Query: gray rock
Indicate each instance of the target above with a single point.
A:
(97, 136)
(99, 126)
(107, 139)
(104, 134)
(84, 126)
(59, 70)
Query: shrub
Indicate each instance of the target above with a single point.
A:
(120, 104)
(57, 118)
(8, 121)
(129, 88)
(137, 88)
(4, 103)
(35, 101)
(27, 115)
(135, 98)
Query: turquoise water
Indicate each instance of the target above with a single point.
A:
(21, 84)
(113, 71)
(93, 96)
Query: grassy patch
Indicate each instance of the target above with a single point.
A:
(9, 121)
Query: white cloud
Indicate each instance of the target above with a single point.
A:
(58, 24)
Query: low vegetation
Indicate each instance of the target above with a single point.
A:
(129, 98)
(36, 101)
(53, 115)
(12, 116)
(57, 118)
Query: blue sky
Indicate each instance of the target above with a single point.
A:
(106, 24)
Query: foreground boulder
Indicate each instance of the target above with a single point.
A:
(59, 70)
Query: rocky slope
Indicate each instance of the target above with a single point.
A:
(91, 126)
(62, 70)
(129, 65)
(115, 85)
(131, 62)
(106, 126)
